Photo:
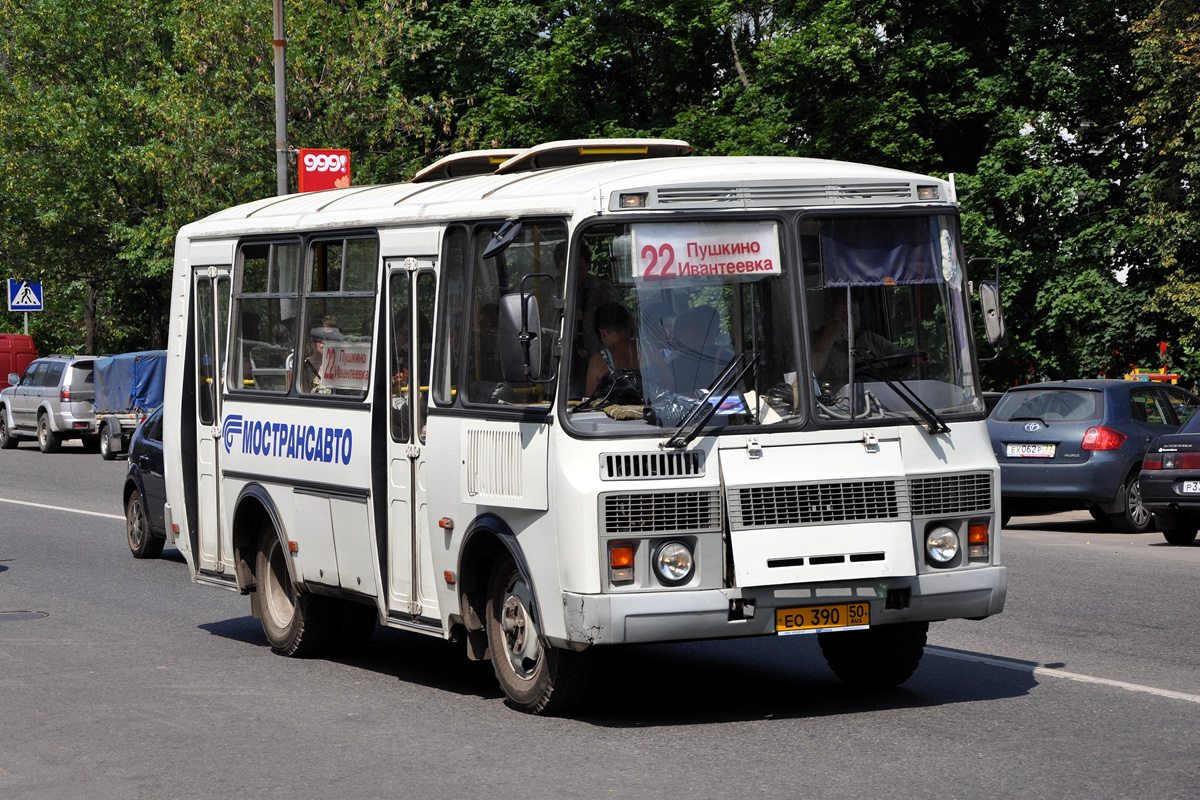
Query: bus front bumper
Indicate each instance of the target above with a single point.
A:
(645, 617)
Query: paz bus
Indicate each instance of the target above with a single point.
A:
(549, 400)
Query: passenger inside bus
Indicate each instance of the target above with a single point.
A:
(310, 367)
(831, 356)
(618, 349)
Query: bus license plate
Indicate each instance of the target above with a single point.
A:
(814, 619)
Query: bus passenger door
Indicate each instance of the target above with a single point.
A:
(211, 293)
(411, 291)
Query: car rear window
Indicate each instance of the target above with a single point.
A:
(1063, 405)
(54, 371)
(1192, 425)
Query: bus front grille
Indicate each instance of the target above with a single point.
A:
(817, 503)
(951, 494)
(644, 466)
(662, 512)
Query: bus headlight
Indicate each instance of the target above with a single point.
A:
(942, 544)
(673, 563)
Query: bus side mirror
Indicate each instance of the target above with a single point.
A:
(520, 347)
(993, 313)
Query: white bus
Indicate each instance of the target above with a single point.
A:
(547, 400)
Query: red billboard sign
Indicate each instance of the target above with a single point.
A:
(324, 169)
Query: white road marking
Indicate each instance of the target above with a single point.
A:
(1043, 672)
(62, 508)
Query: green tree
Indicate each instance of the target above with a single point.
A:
(1167, 114)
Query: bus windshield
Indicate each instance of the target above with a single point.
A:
(888, 319)
(866, 323)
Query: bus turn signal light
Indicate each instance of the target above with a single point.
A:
(620, 563)
(977, 541)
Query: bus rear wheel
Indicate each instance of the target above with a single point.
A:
(535, 678)
(295, 623)
(877, 658)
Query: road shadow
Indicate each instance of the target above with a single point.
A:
(640, 686)
(1063, 524)
(68, 449)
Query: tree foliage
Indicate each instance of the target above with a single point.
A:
(1071, 130)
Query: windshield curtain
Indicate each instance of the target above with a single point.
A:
(662, 310)
(889, 332)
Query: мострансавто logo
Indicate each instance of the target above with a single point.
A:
(288, 440)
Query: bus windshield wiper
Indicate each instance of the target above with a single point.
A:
(933, 422)
(699, 416)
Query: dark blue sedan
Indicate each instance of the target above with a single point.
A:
(1079, 444)
(145, 490)
(1170, 482)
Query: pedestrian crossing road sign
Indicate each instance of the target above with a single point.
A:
(24, 296)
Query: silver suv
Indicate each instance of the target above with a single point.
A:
(51, 401)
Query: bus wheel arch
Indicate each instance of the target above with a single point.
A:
(487, 541)
(252, 510)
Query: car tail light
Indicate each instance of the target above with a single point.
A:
(1152, 461)
(1102, 437)
(64, 395)
(1179, 460)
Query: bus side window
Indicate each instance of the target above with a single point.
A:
(531, 253)
(422, 346)
(400, 346)
(264, 318)
(339, 308)
(452, 319)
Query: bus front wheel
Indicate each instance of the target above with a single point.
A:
(535, 678)
(295, 623)
(877, 658)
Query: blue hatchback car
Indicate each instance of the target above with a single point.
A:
(145, 490)
(1066, 445)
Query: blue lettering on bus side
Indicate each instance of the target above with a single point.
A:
(288, 441)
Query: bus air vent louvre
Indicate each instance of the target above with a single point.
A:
(951, 494)
(662, 512)
(651, 466)
(817, 503)
(758, 196)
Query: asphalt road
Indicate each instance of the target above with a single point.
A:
(121, 679)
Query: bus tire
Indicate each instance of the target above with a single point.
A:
(535, 678)
(142, 543)
(296, 623)
(877, 658)
(48, 440)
